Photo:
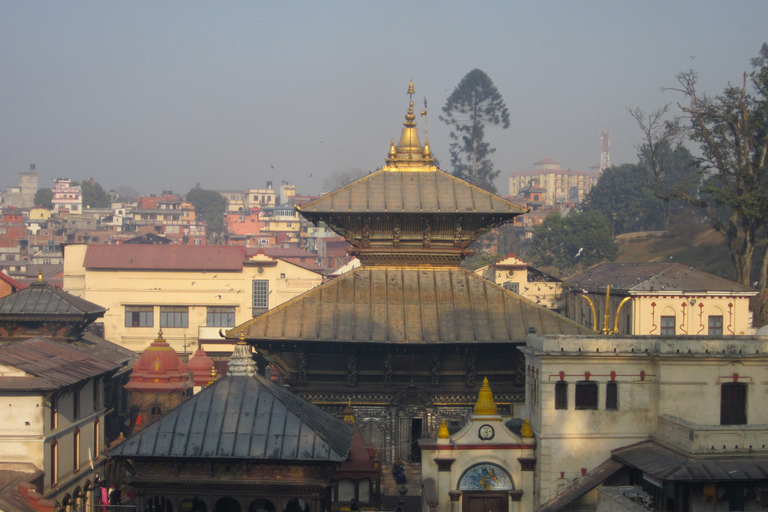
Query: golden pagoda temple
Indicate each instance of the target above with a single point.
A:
(405, 335)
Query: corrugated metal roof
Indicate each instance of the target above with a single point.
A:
(407, 305)
(423, 191)
(668, 465)
(658, 277)
(165, 257)
(243, 417)
(40, 298)
(105, 349)
(49, 364)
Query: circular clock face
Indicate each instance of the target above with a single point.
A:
(486, 432)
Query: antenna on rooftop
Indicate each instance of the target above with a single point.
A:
(605, 155)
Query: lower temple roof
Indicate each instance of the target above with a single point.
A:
(407, 305)
(243, 417)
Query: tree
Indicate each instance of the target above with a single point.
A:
(126, 193)
(341, 178)
(731, 132)
(210, 207)
(43, 198)
(624, 195)
(567, 242)
(473, 105)
(94, 195)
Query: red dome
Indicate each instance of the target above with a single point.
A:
(159, 369)
(200, 365)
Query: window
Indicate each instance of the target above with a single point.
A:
(733, 404)
(263, 241)
(513, 287)
(174, 316)
(95, 394)
(715, 325)
(76, 451)
(139, 316)
(54, 462)
(198, 241)
(260, 294)
(54, 413)
(220, 317)
(75, 404)
(667, 326)
(586, 395)
(612, 396)
(155, 413)
(561, 395)
(96, 440)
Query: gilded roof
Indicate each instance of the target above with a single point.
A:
(243, 417)
(428, 190)
(407, 305)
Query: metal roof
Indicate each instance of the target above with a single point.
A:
(40, 298)
(424, 191)
(668, 465)
(582, 486)
(165, 257)
(49, 364)
(407, 305)
(243, 417)
(105, 349)
(654, 277)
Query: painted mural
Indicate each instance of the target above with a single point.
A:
(486, 477)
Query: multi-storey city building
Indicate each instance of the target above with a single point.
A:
(67, 196)
(561, 186)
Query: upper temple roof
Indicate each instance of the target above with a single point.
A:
(427, 190)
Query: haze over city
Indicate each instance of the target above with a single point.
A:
(231, 95)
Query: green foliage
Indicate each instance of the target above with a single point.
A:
(210, 207)
(94, 195)
(567, 242)
(473, 105)
(43, 198)
(480, 259)
(625, 195)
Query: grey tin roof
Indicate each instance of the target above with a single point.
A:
(654, 277)
(668, 465)
(42, 299)
(407, 305)
(243, 417)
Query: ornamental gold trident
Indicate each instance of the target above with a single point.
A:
(606, 330)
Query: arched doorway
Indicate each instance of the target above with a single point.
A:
(192, 505)
(296, 505)
(485, 488)
(158, 504)
(261, 505)
(227, 504)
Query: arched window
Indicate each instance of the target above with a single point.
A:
(561, 394)
(158, 504)
(227, 505)
(261, 505)
(155, 413)
(192, 505)
(586, 395)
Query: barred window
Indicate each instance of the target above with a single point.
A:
(139, 316)
(667, 326)
(513, 287)
(612, 396)
(561, 395)
(260, 294)
(586, 395)
(715, 326)
(220, 317)
(174, 316)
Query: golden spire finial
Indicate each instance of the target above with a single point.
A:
(241, 341)
(411, 90)
(485, 405)
(442, 432)
(525, 429)
(349, 413)
(214, 376)
(159, 335)
(40, 274)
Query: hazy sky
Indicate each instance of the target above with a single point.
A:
(161, 95)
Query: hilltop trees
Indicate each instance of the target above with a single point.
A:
(567, 242)
(43, 198)
(731, 130)
(473, 105)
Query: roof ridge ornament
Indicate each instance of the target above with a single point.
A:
(485, 405)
